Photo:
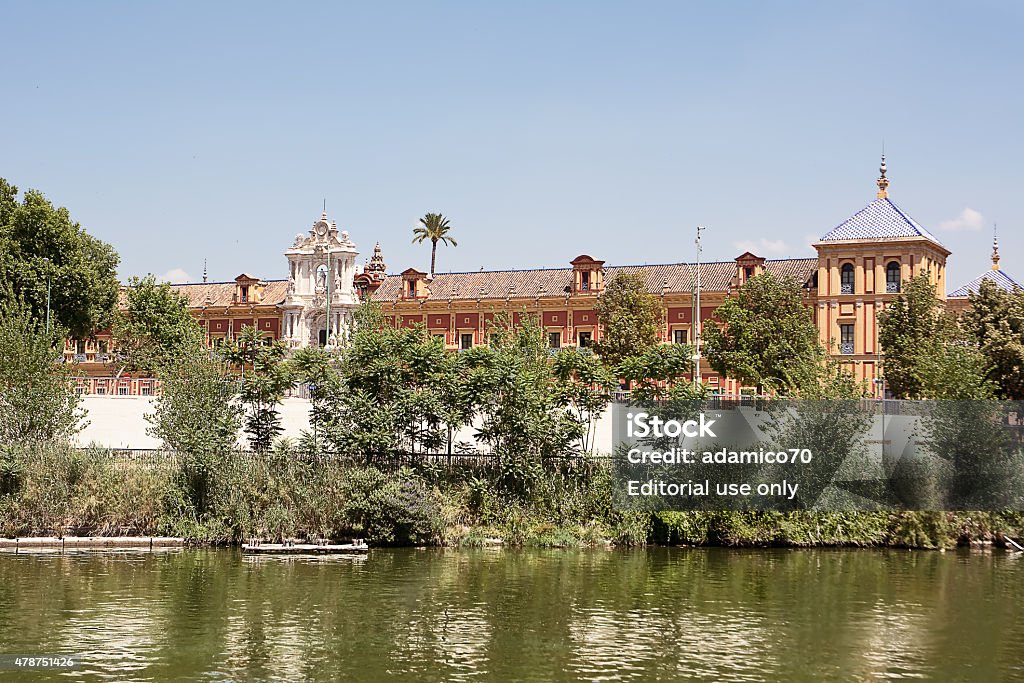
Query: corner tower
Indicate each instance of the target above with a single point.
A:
(862, 265)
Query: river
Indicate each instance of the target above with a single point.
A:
(533, 615)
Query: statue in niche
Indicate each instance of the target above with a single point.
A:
(321, 278)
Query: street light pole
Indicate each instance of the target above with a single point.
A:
(696, 314)
(47, 262)
(330, 276)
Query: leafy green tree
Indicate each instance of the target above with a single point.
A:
(37, 397)
(154, 326)
(316, 368)
(927, 353)
(767, 338)
(41, 244)
(655, 374)
(388, 390)
(434, 228)
(521, 417)
(582, 384)
(265, 379)
(995, 322)
(630, 317)
(197, 414)
(952, 368)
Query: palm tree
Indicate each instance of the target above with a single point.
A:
(435, 228)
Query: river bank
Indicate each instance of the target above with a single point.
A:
(65, 492)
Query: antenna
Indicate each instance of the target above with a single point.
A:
(696, 314)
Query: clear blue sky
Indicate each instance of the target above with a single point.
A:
(184, 131)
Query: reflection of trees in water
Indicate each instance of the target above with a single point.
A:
(442, 615)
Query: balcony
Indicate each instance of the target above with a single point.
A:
(846, 349)
(846, 288)
(80, 358)
(892, 288)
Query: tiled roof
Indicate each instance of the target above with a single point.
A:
(222, 293)
(881, 219)
(1001, 280)
(531, 284)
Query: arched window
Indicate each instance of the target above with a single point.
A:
(846, 279)
(892, 278)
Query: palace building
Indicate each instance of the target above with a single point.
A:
(861, 265)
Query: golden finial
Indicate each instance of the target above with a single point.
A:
(995, 248)
(883, 182)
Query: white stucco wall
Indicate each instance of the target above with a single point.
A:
(119, 421)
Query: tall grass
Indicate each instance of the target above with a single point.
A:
(57, 490)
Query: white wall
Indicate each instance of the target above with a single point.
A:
(119, 422)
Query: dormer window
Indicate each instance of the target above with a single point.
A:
(246, 289)
(414, 284)
(588, 275)
(892, 278)
(846, 279)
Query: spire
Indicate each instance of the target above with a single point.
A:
(204, 270)
(995, 249)
(883, 182)
(376, 267)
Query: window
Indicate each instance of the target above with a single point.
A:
(466, 341)
(748, 273)
(101, 390)
(244, 296)
(103, 347)
(80, 346)
(846, 339)
(680, 336)
(146, 390)
(554, 339)
(583, 339)
(846, 279)
(322, 337)
(122, 390)
(892, 278)
(585, 280)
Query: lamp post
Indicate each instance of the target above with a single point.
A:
(46, 261)
(696, 318)
(327, 340)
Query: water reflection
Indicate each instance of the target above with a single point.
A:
(432, 615)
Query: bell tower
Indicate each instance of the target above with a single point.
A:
(317, 309)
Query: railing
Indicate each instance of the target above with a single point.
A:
(846, 288)
(892, 288)
(846, 348)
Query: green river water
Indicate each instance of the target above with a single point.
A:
(501, 615)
